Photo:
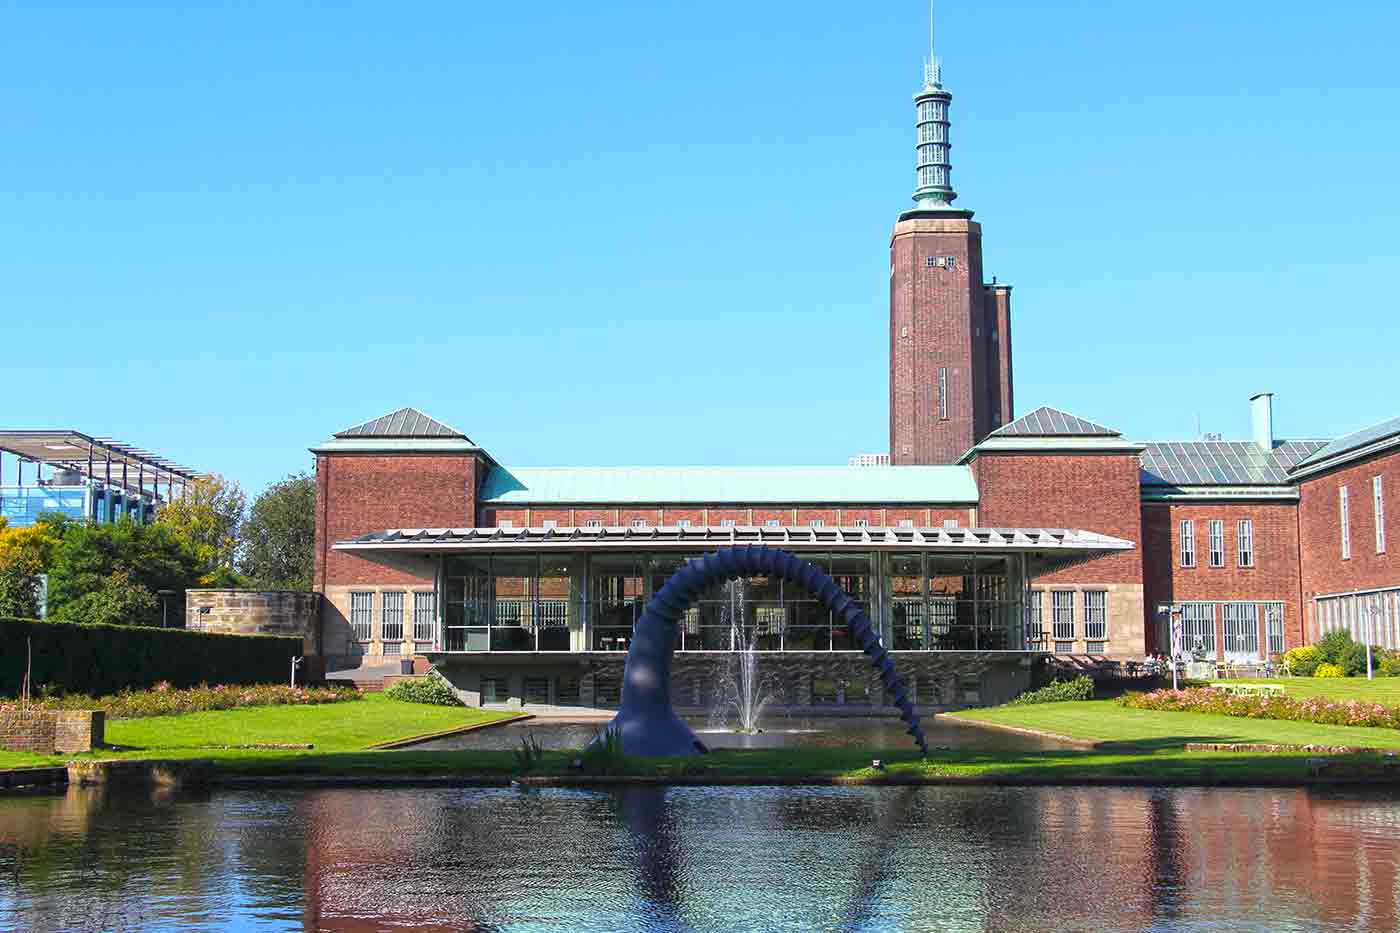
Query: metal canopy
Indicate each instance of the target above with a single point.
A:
(71, 449)
(1050, 548)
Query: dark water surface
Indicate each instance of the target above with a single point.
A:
(738, 859)
(794, 731)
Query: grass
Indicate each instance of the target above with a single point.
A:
(1105, 721)
(1139, 745)
(332, 728)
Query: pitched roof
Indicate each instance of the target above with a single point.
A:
(1351, 443)
(1221, 463)
(1051, 422)
(776, 485)
(406, 422)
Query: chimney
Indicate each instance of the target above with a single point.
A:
(1262, 411)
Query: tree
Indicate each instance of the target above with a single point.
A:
(280, 535)
(151, 557)
(24, 557)
(207, 518)
(118, 600)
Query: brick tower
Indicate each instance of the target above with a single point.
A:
(950, 334)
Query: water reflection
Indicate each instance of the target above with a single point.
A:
(700, 858)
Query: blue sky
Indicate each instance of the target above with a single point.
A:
(628, 232)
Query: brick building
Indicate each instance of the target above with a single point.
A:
(982, 542)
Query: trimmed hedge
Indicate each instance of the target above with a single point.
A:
(104, 659)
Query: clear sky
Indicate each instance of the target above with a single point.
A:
(653, 232)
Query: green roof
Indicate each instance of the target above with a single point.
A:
(775, 485)
(1351, 446)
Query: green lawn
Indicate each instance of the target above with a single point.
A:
(1106, 721)
(1381, 690)
(332, 728)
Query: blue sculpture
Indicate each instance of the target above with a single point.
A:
(647, 723)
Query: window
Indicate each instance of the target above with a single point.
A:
(494, 689)
(1273, 624)
(1095, 619)
(1378, 497)
(1245, 536)
(424, 611)
(1035, 618)
(550, 523)
(943, 393)
(1198, 629)
(906, 523)
(391, 617)
(361, 615)
(639, 523)
(1188, 543)
(816, 523)
(1062, 620)
(682, 523)
(1241, 631)
(593, 523)
(771, 523)
(862, 523)
(505, 523)
(1346, 523)
(727, 523)
(1217, 544)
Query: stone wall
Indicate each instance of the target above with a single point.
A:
(254, 612)
(48, 731)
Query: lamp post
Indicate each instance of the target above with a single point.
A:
(164, 604)
(1372, 611)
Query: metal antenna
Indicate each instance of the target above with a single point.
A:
(933, 70)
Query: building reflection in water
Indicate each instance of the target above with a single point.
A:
(700, 858)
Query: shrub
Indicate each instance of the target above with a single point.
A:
(429, 689)
(604, 755)
(528, 755)
(165, 700)
(1329, 670)
(103, 659)
(1271, 706)
(1301, 662)
(1390, 667)
(1058, 691)
(1333, 646)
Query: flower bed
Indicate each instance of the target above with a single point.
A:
(165, 700)
(1273, 706)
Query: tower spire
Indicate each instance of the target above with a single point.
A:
(934, 191)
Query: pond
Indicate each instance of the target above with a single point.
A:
(742, 859)
(803, 732)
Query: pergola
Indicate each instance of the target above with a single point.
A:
(98, 459)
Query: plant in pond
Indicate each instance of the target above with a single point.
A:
(604, 755)
(1058, 691)
(528, 755)
(431, 689)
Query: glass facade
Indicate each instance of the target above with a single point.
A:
(592, 602)
(21, 506)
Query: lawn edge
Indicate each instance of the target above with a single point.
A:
(964, 719)
(393, 744)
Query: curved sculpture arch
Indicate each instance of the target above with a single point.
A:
(647, 722)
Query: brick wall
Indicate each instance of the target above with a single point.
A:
(1092, 492)
(998, 303)
(359, 494)
(1319, 518)
(1273, 578)
(48, 732)
(935, 313)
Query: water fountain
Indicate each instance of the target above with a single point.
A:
(646, 721)
(742, 690)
